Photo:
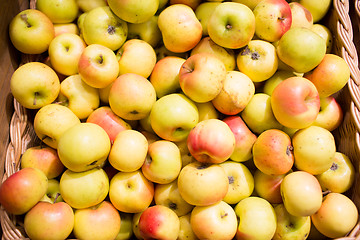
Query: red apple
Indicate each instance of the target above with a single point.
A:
(268, 186)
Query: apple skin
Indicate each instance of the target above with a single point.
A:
(49, 221)
(330, 115)
(98, 222)
(301, 16)
(109, 121)
(325, 33)
(220, 217)
(274, 80)
(211, 141)
(186, 232)
(59, 11)
(31, 31)
(250, 3)
(268, 186)
(180, 29)
(318, 9)
(207, 111)
(44, 158)
(202, 184)
(159, 222)
(191, 3)
(61, 28)
(273, 18)
(228, 23)
(273, 152)
(336, 217)
(203, 12)
(295, 102)
(52, 194)
(147, 31)
(34, 85)
(126, 231)
(301, 193)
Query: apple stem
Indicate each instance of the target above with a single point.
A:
(56, 197)
(25, 19)
(326, 192)
(35, 95)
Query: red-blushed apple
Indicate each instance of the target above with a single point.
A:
(163, 162)
(301, 16)
(314, 149)
(49, 221)
(186, 231)
(109, 121)
(203, 13)
(132, 96)
(131, 192)
(244, 138)
(295, 102)
(317, 8)
(231, 25)
(180, 29)
(330, 75)
(268, 186)
(273, 18)
(274, 80)
(22, 190)
(273, 152)
(211, 141)
(340, 177)
(220, 217)
(147, 31)
(129, 150)
(201, 77)
(330, 115)
(301, 193)
(61, 28)
(98, 66)
(236, 92)
(168, 195)
(336, 217)
(202, 184)
(173, 116)
(159, 222)
(101, 221)
(44, 158)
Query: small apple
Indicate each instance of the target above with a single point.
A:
(301, 16)
(191, 3)
(250, 3)
(207, 111)
(318, 9)
(325, 33)
(268, 186)
(203, 12)
(135, 225)
(59, 11)
(53, 194)
(136, 11)
(186, 232)
(126, 231)
(274, 80)
(147, 31)
(330, 115)
(61, 28)
(86, 5)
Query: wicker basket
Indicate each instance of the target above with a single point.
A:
(347, 136)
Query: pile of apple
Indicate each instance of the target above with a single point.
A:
(180, 119)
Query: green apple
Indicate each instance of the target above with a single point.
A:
(250, 3)
(81, 98)
(231, 25)
(84, 189)
(86, 5)
(203, 13)
(186, 232)
(136, 11)
(318, 9)
(135, 225)
(274, 80)
(59, 11)
(51, 121)
(126, 231)
(325, 33)
(31, 31)
(34, 85)
(147, 31)
(268, 186)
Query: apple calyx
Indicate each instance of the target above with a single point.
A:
(111, 30)
(203, 166)
(173, 206)
(334, 167)
(289, 150)
(254, 54)
(25, 19)
(231, 179)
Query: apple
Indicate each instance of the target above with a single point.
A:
(231, 25)
(337, 216)
(163, 162)
(250, 3)
(257, 219)
(241, 181)
(101, 221)
(202, 184)
(330, 115)
(61, 28)
(318, 9)
(86, 5)
(203, 12)
(159, 222)
(165, 75)
(44, 158)
(162, 51)
(244, 138)
(273, 18)
(220, 217)
(83, 146)
(168, 195)
(49, 221)
(126, 231)
(191, 3)
(52, 194)
(59, 11)
(289, 226)
(274, 80)
(314, 149)
(34, 85)
(51, 121)
(301, 48)
(180, 29)
(22, 190)
(109, 121)
(301, 193)
(147, 31)
(31, 31)
(173, 116)
(268, 186)
(236, 92)
(186, 232)
(273, 152)
(98, 66)
(330, 75)
(104, 94)
(101, 26)
(340, 176)
(301, 16)
(136, 11)
(258, 60)
(136, 56)
(65, 51)
(131, 192)
(132, 96)
(258, 114)
(207, 111)
(201, 77)
(325, 33)
(295, 102)
(135, 225)
(211, 141)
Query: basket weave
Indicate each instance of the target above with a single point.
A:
(22, 135)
